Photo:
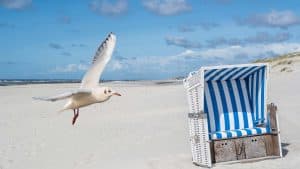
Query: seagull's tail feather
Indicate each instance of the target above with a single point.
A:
(61, 111)
(67, 106)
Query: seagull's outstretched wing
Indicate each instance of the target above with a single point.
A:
(101, 58)
(66, 95)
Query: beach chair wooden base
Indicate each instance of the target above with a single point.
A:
(245, 148)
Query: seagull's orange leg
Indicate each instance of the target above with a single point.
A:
(76, 114)
(73, 120)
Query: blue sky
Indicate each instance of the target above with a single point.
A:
(156, 39)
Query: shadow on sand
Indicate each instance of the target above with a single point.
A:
(285, 151)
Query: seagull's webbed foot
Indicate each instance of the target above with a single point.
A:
(76, 114)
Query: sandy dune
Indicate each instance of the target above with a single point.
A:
(146, 128)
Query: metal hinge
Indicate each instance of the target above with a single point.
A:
(197, 115)
(196, 138)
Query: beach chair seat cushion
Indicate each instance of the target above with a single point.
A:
(238, 133)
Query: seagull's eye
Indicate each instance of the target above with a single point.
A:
(105, 92)
(109, 91)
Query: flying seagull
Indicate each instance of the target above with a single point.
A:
(90, 92)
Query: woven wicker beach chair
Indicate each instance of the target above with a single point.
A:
(229, 118)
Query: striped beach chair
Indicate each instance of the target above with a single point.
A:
(229, 118)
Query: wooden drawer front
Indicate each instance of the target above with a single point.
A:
(224, 150)
(255, 147)
(240, 148)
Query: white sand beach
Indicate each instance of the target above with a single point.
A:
(146, 128)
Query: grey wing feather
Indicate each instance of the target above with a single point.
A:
(64, 95)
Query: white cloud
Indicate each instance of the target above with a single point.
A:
(167, 7)
(182, 42)
(208, 25)
(281, 19)
(71, 68)
(7, 25)
(265, 37)
(15, 4)
(259, 37)
(106, 7)
(186, 28)
(64, 19)
(116, 65)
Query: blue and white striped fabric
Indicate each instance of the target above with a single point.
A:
(257, 91)
(235, 101)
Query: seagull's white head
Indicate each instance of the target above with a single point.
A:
(109, 92)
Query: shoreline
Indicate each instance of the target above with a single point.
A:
(4, 83)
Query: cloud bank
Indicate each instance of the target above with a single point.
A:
(70, 68)
(15, 4)
(189, 60)
(55, 46)
(182, 42)
(105, 7)
(167, 7)
(259, 37)
(273, 19)
(64, 19)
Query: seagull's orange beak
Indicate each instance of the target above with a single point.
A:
(117, 94)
